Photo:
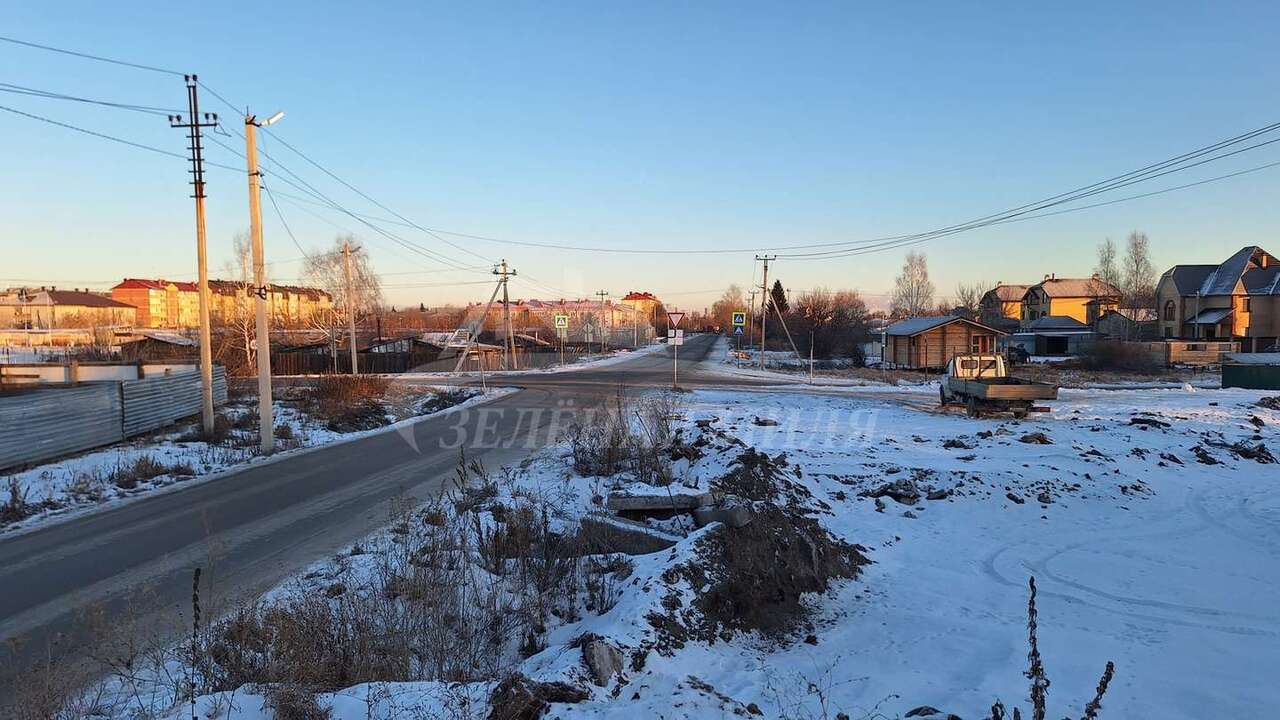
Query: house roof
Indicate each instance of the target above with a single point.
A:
(633, 295)
(1057, 323)
(1187, 279)
(145, 284)
(917, 325)
(1212, 316)
(1006, 293)
(1262, 281)
(76, 299)
(1090, 287)
(1224, 278)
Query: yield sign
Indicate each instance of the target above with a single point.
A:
(674, 318)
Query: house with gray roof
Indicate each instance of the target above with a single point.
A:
(1235, 300)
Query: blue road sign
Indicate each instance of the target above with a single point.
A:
(737, 330)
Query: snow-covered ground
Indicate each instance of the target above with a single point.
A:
(1149, 519)
(176, 456)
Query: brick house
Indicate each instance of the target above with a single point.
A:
(1083, 299)
(1236, 300)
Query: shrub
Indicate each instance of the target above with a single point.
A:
(1120, 356)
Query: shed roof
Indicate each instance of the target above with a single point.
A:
(917, 325)
(1057, 324)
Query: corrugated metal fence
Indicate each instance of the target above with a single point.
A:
(40, 424)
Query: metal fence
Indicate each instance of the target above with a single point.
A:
(45, 423)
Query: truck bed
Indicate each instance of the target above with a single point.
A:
(1005, 388)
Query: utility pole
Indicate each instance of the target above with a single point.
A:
(764, 302)
(193, 123)
(351, 306)
(262, 333)
(604, 333)
(509, 342)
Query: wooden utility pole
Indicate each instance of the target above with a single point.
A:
(764, 303)
(262, 333)
(509, 342)
(351, 306)
(602, 294)
(193, 123)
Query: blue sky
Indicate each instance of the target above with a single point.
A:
(663, 125)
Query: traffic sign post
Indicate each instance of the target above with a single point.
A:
(562, 331)
(675, 338)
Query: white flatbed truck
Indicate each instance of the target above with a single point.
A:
(982, 384)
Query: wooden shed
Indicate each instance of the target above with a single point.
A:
(930, 342)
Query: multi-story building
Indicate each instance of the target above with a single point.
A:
(1238, 299)
(53, 309)
(160, 303)
(645, 304)
(1082, 299)
(163, 303)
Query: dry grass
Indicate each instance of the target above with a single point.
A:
(626, 435)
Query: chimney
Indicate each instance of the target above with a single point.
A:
(1046, 277)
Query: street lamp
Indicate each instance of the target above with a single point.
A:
(262, 334)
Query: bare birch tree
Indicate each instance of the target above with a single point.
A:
(325, 270)
(913, 291)
(240, 317)
(1107, 268)
(1139, 274)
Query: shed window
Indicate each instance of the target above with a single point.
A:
(1170, 310)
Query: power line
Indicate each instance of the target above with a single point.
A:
(364, 195)
(1025, 210)
(105, 136)
(50, 95)
(87, 56)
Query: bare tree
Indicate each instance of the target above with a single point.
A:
(325, 270)
(239, 316)
(731, 301)
(1107, 269)
(1139, 274)
(913, 292)
(969, 296)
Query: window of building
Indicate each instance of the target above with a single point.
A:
(1247, 303)
(1170, 310)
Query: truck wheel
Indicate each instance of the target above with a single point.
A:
(1019, 414)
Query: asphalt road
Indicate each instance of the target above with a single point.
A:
(132, 565)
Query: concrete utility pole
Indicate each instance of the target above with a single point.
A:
(764, 302)
(604, 333)
(509, 342)
(192, 123)
(351, 306)
(262, 333)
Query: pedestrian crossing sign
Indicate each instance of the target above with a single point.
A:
(739, 319)
(737, 330)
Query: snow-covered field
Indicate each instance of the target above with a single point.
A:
(177, 456)
(1149, 519)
